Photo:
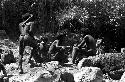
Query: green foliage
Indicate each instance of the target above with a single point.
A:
(104, 18)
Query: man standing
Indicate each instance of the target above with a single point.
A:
(27, 38)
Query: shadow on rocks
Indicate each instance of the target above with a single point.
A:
(67, 77)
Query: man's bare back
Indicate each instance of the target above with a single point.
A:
(26, 39)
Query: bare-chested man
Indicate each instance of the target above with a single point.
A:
(86, 48)
(57, 48)
(27, 38)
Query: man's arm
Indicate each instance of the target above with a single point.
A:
(31, 26)
(81, 44)
(20, 27)
(57, 44)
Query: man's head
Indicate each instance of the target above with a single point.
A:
(44, 39)
(60, 36)
(85, 31)
(27, 15)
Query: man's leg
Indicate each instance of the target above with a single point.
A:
(60, 56)
(50, 52)
(31, 55)
(74, 55)
(34, 52)
(21, 50)
(91, 53)
(29, 42)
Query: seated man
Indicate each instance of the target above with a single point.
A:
(56, 48)
(87, 48)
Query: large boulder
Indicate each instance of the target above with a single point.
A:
(37, 74)
(106, 62)
(53, 72)
(89, 74)
(90, 61)
(85, 62)
(67, 74)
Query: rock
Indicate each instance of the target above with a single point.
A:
(110, 80)
(106, 80)
(89, 74)
(51, 66)
(16, 53)
(116, 75)
(8, 57)
(67, 74)
(6, 79)
(106, 62)
(10, 67)
(37, 74)
(122, 78)
(90, 61)
(67, 77)
(84, 62)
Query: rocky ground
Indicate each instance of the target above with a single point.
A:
(88, 70)
(53, 72)
(50, 73)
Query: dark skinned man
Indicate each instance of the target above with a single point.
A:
(86, 48)
(27, 38)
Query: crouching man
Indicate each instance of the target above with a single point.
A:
(85, 49)
(57, 48)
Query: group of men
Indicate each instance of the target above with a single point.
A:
(87, 47)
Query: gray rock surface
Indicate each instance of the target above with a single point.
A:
(89, 74)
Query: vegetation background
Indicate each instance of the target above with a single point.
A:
(104, 18)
